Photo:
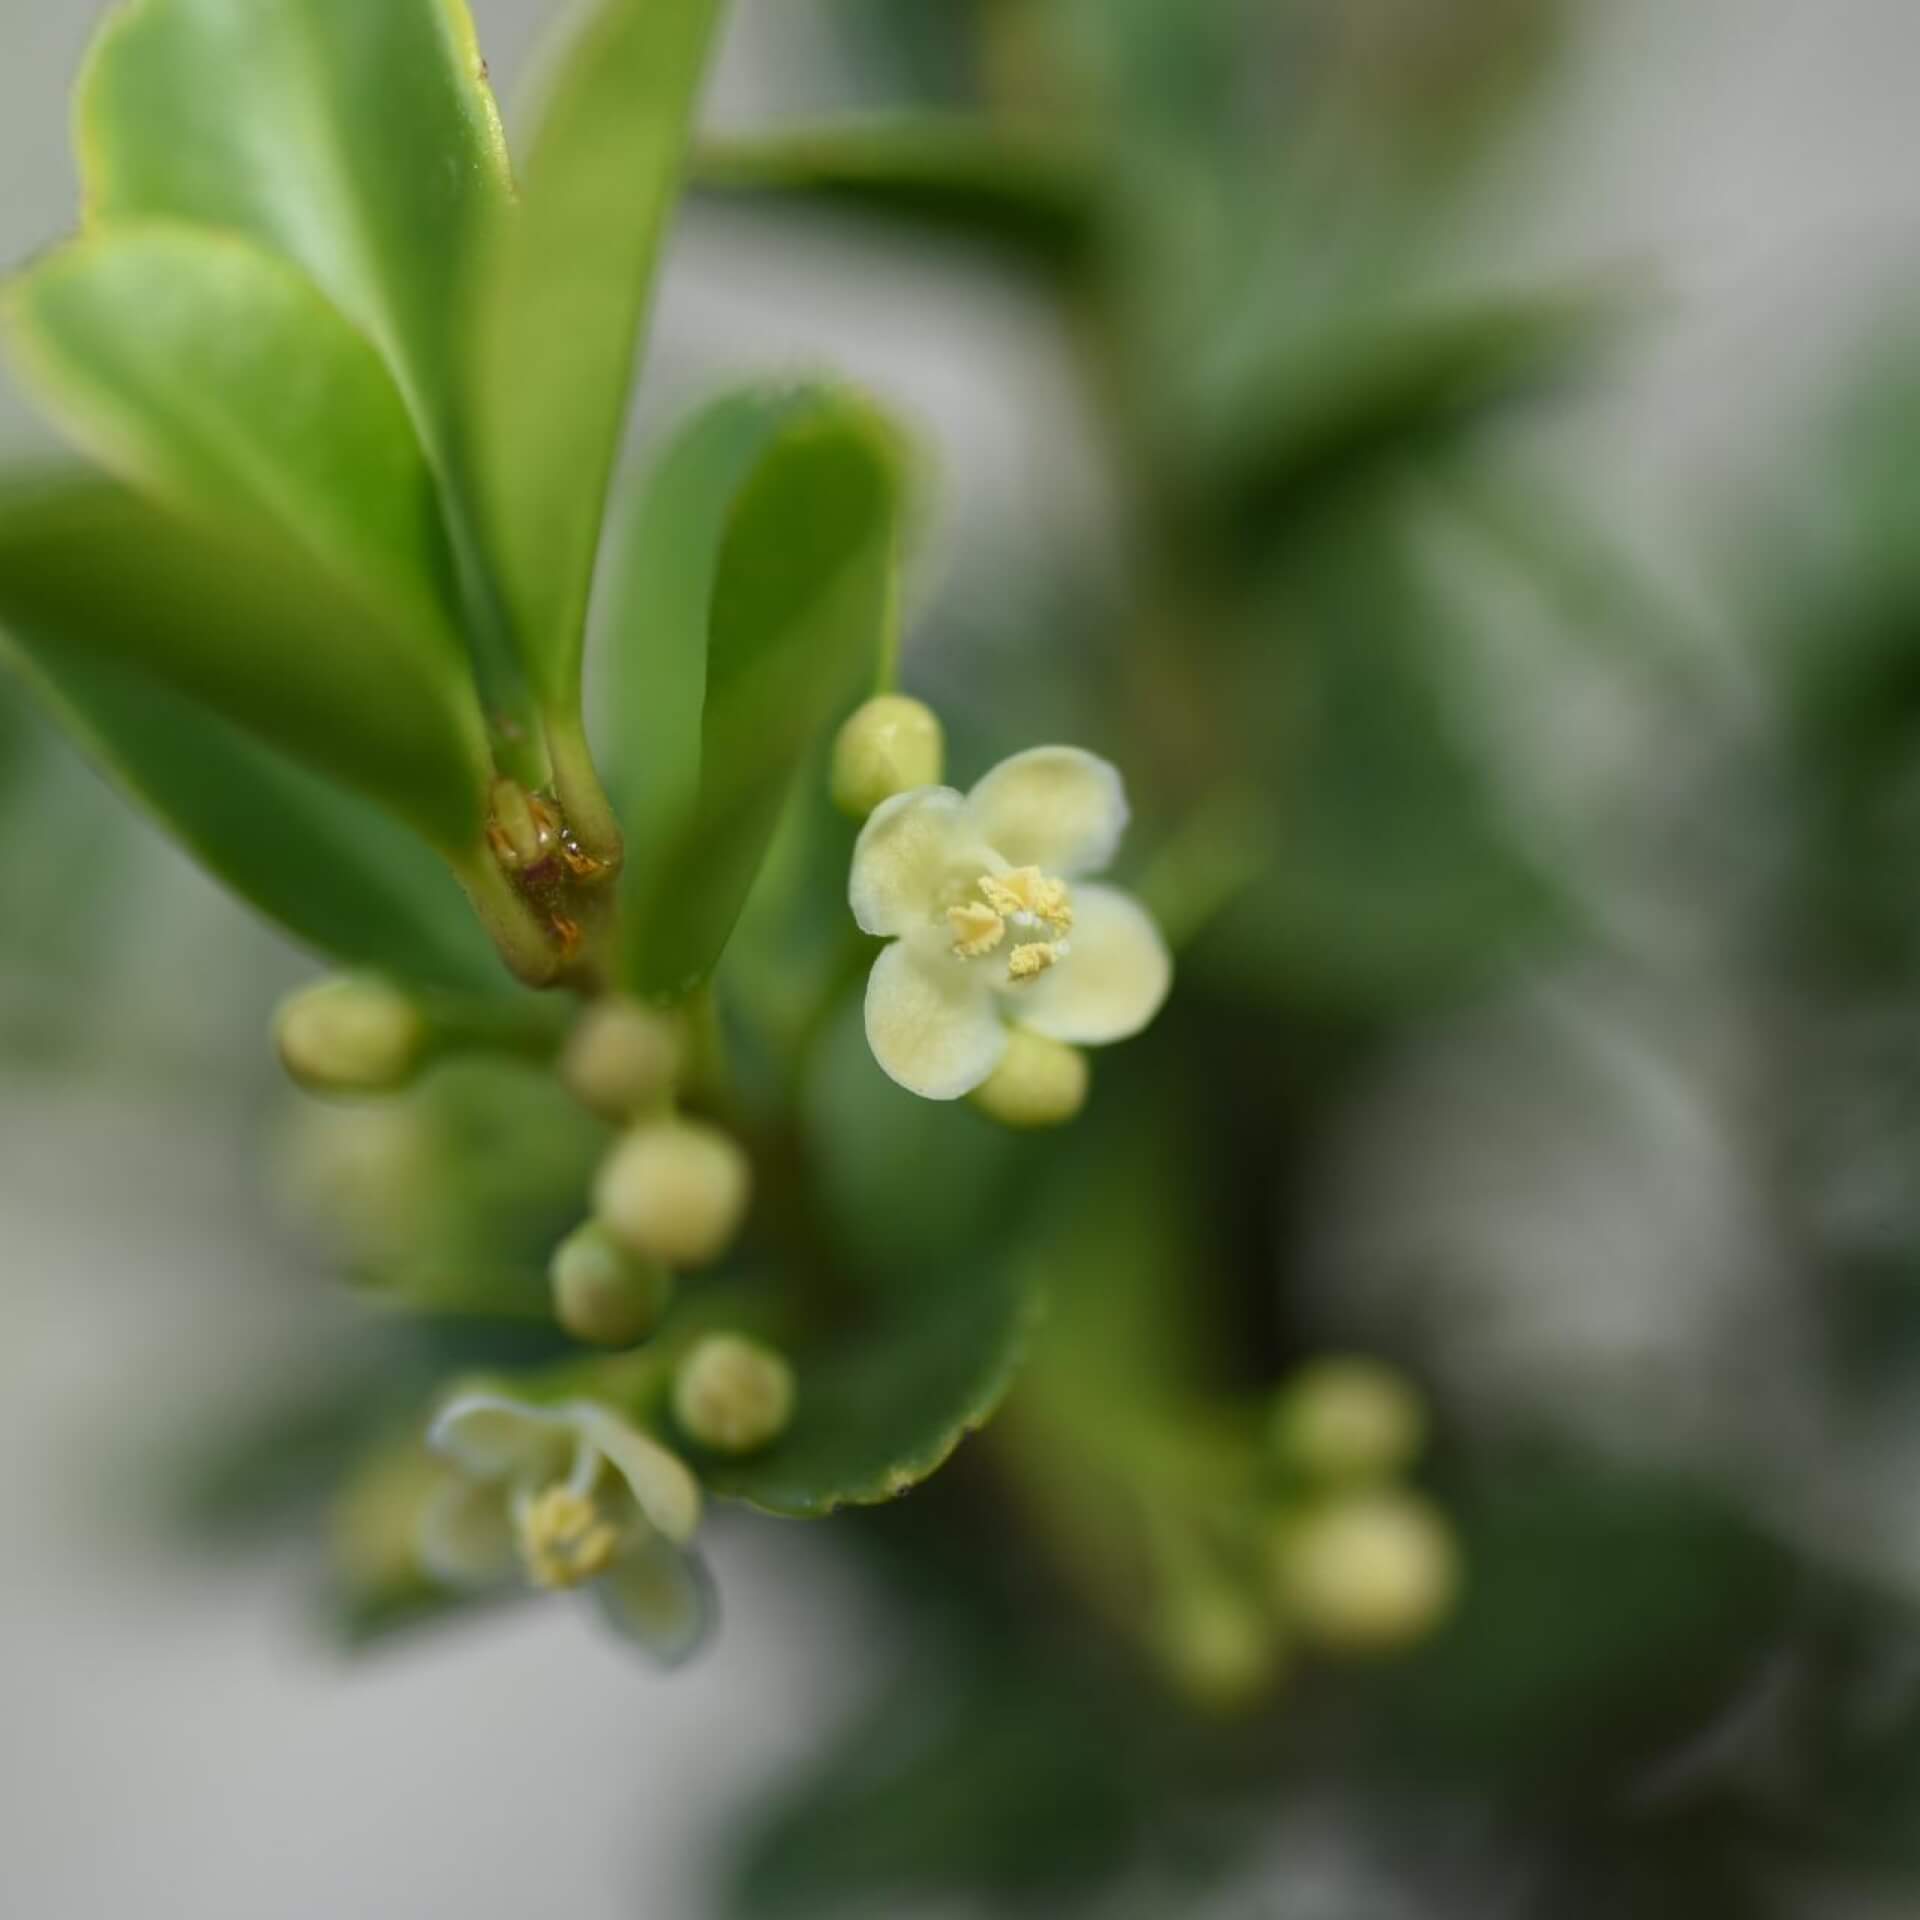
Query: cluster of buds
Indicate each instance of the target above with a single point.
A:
(1004, 958)
(1360, 1563)
(1339, 1555)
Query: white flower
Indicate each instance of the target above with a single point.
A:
(569, 1496)
(973, 891)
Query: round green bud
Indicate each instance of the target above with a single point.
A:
(523, 830)
(891, 745)
(732, 1394)
(601, 1293)
(1221, 1650)
(1348, 1419)
(351, 1036)
(621, 1058)
(1368, 1573)
(674, 1191)
(1038, 1083)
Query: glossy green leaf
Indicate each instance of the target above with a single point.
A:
(883, 1405)
(755, 603)
(251, 631)
(561, 303)
(356, 137)
(333, 871)
(211, 374)
(1028, 194)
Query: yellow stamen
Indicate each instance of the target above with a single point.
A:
(977, 929)
(563, 1540)
(1031, 959)
(1026, 890)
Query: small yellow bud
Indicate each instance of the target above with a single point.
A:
(889, 746)
(602, 1294)
(1369, 1573)
(351, 1036)
(1221, 1650)
(674, 1191)
(732, 1394)
(1348, 1419)
(621, 1058)
(1038, 1083)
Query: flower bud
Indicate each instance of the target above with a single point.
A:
(889, 746)
(732, 1394)
(621, 1058)
(1347, 1419)
(1038, 1083)
(1368, 1573)
(351, 1036)
(674, 1191)
(523, 829)
(602, 1294)
(1220, 1649)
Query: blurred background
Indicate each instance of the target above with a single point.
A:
(1585, 974)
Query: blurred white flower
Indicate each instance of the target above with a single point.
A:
(569, 1496)
(973, 892)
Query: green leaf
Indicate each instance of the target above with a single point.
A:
(563, 294)
(1361, 388)
(1609, 1617)
(356, 137)
(755, 602)
(251, 631)
(209, 373)
(1409, 880)
(882, 1405)
(988, 1778)
(1029, 194)
(333, 871)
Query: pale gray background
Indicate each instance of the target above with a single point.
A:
(172, 1739)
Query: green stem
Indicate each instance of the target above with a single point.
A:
(583, 799)
(707, 1082)
(511, 925)
(1195, 874)
(519, 748)
(518, 1027)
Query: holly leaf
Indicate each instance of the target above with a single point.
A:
(565, 281)
(358, 138)
(883, 1404)
(207, 372)
(251, 631)
(331, 870)
(755, 602)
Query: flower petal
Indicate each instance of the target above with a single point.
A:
(1113, 980)
(465, 1534)
(915, 856)
(1055, 808)
(932, 1022)
(662, 1484)
(659, 1598)
(491, 1437)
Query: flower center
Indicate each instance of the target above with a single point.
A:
(563, 1540)
(1026, 911)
